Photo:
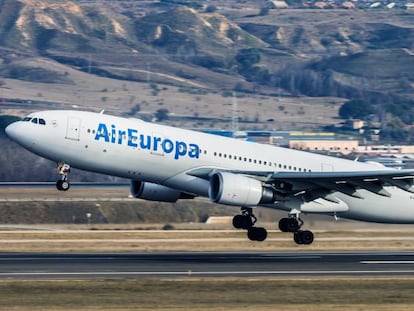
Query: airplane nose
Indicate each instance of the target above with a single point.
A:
(11, 131)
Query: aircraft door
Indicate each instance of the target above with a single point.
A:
(73, 128)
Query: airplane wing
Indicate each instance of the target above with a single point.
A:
(321, 184)
(349, 182)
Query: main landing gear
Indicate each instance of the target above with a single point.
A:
(247, 221)
(63, 183)
(293, 224)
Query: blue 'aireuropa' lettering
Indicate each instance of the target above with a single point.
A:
(132, 138)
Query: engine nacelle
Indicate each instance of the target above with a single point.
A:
(154, 192)
(233, 189)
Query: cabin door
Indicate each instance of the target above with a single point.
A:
(73, 128)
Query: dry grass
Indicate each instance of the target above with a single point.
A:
(194, 240)
(209, 294)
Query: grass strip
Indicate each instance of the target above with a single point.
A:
(209, 293)
(203, 240)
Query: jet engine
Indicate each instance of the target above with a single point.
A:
(155, 192)
(232, 189)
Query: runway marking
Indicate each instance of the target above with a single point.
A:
(387, 262)
(55, 258)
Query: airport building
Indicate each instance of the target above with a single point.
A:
(341, 146)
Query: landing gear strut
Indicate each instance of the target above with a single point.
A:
(293, 224)
(63, 183)
(247, 221)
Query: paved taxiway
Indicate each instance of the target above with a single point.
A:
(135, 265)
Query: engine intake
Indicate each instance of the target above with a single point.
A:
(155, 192)
(232, 189)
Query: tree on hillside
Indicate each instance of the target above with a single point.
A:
(248, 57)
(211, 9)
(162, 114)
(395, 131)
(402, 110)
(356, 109)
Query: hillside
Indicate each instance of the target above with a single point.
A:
(209, 48)
(136, 58)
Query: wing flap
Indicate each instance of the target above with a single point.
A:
(374, 186)
(340, 187)
(402, 183)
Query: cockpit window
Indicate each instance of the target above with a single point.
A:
(35, 120)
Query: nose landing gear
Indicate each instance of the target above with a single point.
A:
(63, 183)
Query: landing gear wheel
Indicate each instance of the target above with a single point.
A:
(306, 237)
(257, 234)
(247, 221)
(242, 222)
(303, 237)
(293, 224)
(283, 226)
(62, 185)
(289, 224)
(297, 238)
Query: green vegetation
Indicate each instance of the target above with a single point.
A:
(162, 114)
(356, 109)
(373, 64)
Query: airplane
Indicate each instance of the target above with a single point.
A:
(167, 164)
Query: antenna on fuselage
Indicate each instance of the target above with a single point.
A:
(102, 111)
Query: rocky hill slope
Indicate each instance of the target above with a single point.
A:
(306, 52)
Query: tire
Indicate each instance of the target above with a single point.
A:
(65, 185)
(306, 237)
(59, 185)
(261, 234)
(283, 225)
(292, 225)
(62, 185)
(238, 221)
(257, 234)
(297, 238)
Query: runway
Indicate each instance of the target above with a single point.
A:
(205, 264)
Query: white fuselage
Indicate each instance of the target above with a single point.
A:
(138, 150)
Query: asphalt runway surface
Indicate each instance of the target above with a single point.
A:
(206, 264)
